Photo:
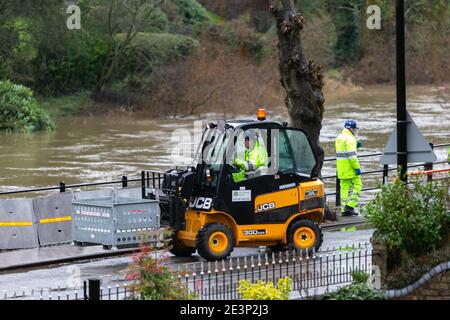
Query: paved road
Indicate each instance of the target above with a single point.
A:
(112, 271)
(55, 255)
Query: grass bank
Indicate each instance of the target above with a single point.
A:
(66, 105)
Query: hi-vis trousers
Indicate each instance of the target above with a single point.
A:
(350, 191)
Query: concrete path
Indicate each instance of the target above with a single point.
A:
(11, 260)
(38, 257)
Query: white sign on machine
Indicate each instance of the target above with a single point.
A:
(241, 195)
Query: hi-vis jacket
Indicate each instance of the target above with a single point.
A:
(448, 155)
(346, 158)
(254, 159)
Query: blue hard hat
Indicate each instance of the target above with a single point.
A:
(351, 124)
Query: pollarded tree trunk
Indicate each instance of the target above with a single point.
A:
(302, 79)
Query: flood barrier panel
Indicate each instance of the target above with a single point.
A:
(54, 216)
(18, 225)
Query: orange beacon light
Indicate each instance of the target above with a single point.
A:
(261, 114)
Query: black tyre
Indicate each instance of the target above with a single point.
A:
(178, 249)
(215, 241)
(330, 214)
(305, 235)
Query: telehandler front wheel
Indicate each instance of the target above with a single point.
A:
(215, 241)
(305, 235)
(178, 249)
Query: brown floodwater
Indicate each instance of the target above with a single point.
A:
(91, 149)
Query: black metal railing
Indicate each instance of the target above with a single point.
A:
(148, 179)
(311, 273)
(124, 182)
(165, 182)
(385, 172)
(62, 187)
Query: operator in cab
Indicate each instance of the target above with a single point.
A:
(255, 157)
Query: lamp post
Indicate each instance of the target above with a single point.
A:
(402, 156)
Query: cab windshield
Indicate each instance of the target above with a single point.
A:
(212, 147)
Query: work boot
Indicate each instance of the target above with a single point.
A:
(349, 212)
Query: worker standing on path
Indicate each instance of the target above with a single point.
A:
(348, 168)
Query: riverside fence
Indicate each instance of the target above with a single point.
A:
(312, 275)
(385, 172)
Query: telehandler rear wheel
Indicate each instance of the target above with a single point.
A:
(215, 241)
(305, 235)
(178, 249)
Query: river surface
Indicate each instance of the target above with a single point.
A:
(92, 149)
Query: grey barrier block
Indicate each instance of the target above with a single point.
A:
(17, 224)
(54, 215)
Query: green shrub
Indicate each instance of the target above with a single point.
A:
(358, 290)
(409, 219)
(355, 291)
(158, 22)
(360, 276)
(20, 111)
(74, 68)
(150, 50)
(17, 50)
(265, 291)
(192, 12)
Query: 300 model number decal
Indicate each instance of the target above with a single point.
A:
(260, 232)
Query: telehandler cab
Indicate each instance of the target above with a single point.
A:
(279, 204)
